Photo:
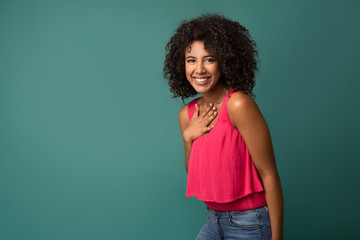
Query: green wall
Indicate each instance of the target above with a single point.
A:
(90, 146)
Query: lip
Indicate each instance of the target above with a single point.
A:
(201, 82)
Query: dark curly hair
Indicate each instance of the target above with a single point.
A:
(226, 39)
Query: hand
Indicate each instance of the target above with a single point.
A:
(200, 125)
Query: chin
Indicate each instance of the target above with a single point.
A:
(201, 89)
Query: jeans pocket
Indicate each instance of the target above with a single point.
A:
(245, 221)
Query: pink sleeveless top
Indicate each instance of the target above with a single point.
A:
(221, 172)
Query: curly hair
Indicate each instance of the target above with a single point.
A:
(226, 39)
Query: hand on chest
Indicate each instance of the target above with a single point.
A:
(218, 109)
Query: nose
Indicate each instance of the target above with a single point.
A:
(200, 68)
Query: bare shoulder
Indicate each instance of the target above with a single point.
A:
(243, 111)
(183, 113)
(183, 117)
(240, 101)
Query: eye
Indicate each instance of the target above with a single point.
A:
(190, 60)
(209, 60)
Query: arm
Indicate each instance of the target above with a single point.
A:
(184, 121)
(196, 127)
(247, 118)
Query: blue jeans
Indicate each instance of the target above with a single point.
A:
(231, 225)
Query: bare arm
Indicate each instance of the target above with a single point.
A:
(184, 121)
(196, 127)
(247, 118)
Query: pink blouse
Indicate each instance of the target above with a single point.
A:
(221, 172)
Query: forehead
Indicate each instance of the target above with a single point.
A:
(196, 48)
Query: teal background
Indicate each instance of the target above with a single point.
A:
(90, 146)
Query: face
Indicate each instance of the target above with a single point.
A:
(201, 68)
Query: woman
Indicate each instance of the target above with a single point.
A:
(228, 150)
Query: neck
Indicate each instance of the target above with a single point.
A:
(216, 97)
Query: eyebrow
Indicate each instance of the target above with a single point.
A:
(203, 57)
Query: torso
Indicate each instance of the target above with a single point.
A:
(221, 172)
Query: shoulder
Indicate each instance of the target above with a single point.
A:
(240, 101)
(242, 107)
(183, 117)
(183, 113)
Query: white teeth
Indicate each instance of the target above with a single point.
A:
(201, 79)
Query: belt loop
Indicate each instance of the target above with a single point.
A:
(258, 212)
(228, 214)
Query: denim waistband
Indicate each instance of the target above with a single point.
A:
(229, 213)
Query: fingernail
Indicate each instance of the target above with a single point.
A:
(210, 104)
(214, 108)
(214, 113)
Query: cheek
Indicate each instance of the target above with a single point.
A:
(188, 71)
(217, 71)
(187, 74)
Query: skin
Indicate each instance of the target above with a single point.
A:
(244, 115)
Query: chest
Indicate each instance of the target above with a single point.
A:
(202, 110)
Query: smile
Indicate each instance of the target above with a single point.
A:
(201, 80)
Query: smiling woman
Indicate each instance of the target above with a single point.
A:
(231, 167)
(202, 68)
